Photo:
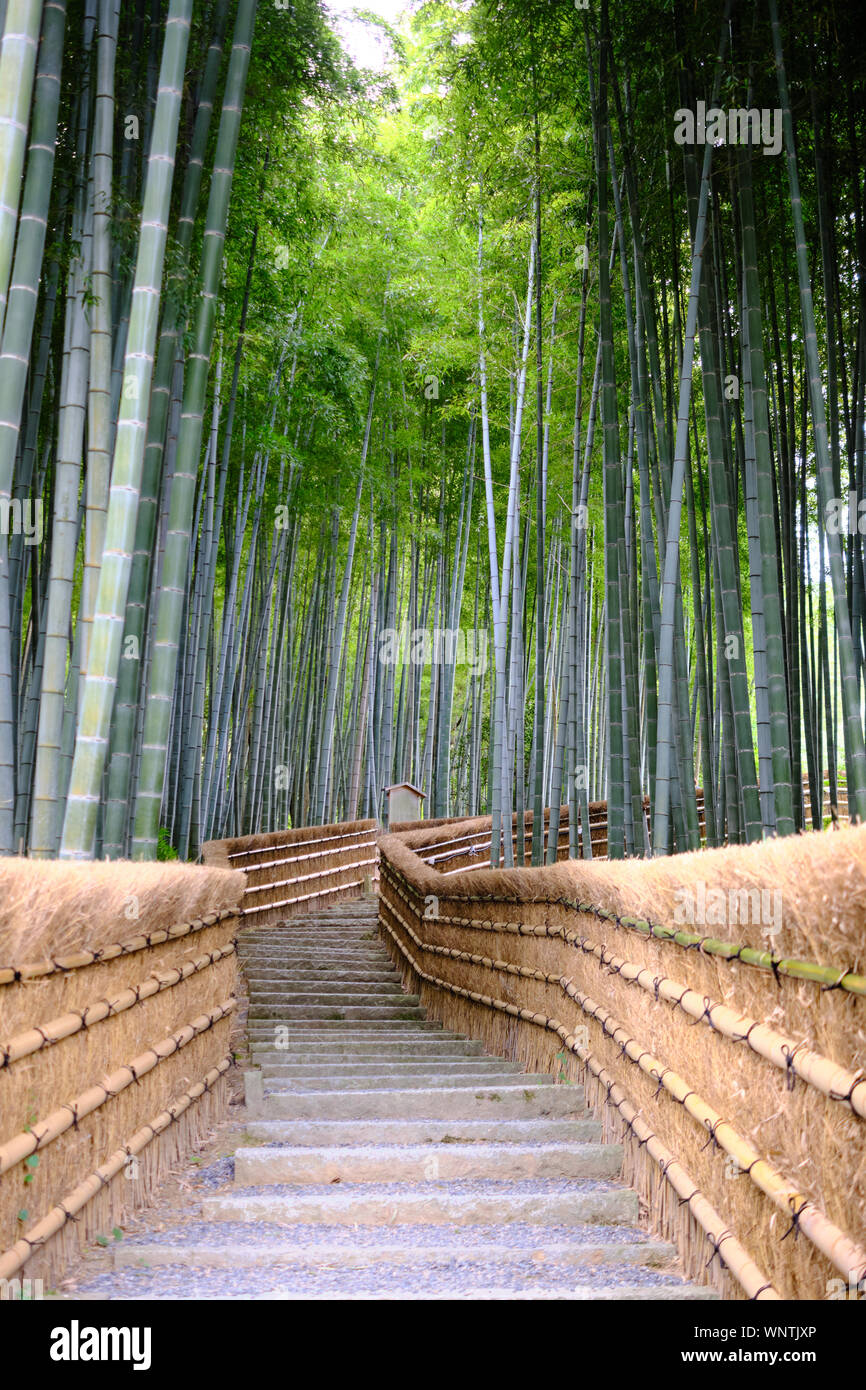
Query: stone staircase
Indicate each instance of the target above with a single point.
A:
(384, 1157)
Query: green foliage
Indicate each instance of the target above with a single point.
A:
(165, 849)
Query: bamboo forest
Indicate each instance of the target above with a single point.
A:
(469, 394)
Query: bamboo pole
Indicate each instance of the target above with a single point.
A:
(67, 1210)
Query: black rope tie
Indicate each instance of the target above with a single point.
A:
(775, 962)
(837, 984)
(790, 1055)
(761, 1290)
(716, 1243)
(707, 1014)
(678, 1003)
(712, 1139)
(795, 1222)
(745, 1037)
(859, 1080)
(656, 986)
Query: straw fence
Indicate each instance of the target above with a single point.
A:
(469, 843)
(117, 990)
(837, 811)
(475, 834)
(724, 1047)
(290, 872)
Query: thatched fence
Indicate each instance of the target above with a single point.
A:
(117, 989)
(470, 838)
(468, 845)
(293, 871)
(714, 1007)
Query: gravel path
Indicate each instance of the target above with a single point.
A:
(454, 1278)
(516, 1234)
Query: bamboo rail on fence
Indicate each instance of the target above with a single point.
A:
(35, 1039)
(71, 1114)
(14, 974)
(794, 1059)
(343, 875)
(67, 1210)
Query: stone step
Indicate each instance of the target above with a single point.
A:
(325, 918)
(327, 957)
(423, 1204)
(339, 998)
(328, 920)
(369, 1057)
(366, 1035)
(319, 943)
(327, 1133)
(351, 972)
(362, 983)
(317, 977)
(223, 1246)
(364, 952)
(384, 1051)
(264, 1025)
(426, 1080)
(279, 1009)
(317, 929)
(407, 1103)
(389, 1163)
(316, 934)
(365, 955)
(339, 1069)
